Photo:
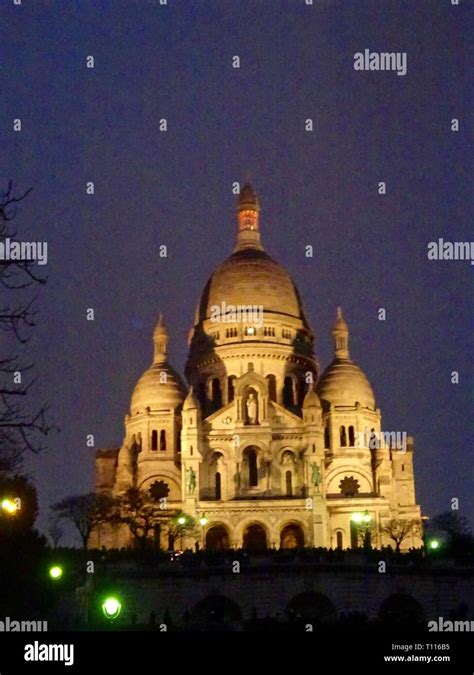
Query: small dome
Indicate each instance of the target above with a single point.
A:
(311, 400)
(153, 392)
(191, 402)
(344, 383)
(160, 387)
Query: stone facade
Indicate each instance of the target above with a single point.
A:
(269, 451)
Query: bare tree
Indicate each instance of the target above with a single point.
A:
(142, 513)
(85, 512)
(399, 529)
(55, 533)
(20, 428)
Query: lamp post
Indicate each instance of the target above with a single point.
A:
(9, 506)
(111, 607)
(202, 523)
(181, 521)
(364, 520)
(55, 572)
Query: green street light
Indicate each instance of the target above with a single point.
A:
(356, 517)
(433, 544)
(55, 572)
(367, 518)
(181, 520)
(111, 607)
(203, 520)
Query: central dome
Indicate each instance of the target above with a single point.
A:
(251, 277)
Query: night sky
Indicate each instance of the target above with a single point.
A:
(175, 188)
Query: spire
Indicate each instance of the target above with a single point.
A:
(248, 209)
(340, 333)
(160, 341)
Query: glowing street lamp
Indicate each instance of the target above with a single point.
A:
(356, 517)
(9, 506)
(111, 607)
(203, 520)
(56, 572)
(433, 544)
(181, 520)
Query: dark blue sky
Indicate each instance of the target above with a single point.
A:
(174, 188)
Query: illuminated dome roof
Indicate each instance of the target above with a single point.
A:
(160, 387)
(250, 276)
(343, 382)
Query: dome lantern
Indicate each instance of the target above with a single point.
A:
(248, 209)
(340, 333)
(160, 341)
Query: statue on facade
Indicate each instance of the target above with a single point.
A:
(190, 480)
(315, 475)
(252, 408)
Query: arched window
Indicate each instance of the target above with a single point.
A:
(326, 438)
(216, 393)
(272, 391)
(218, 486)
(288, 393)
(314, 448)
(351, 436)
(342, 432)
(162, 439)
(289, 484)
(251, 456)
(230, 388)
(339, 539)
(154, 440)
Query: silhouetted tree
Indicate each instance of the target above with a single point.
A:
(85, 512)
(399, 529)
(20, 428)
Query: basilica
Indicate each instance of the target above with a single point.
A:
(262, 449)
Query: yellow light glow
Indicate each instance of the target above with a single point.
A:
(9, 506)
(356, 517)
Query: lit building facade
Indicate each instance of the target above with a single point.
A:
(272, 452)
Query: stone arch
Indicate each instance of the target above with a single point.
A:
(272, 387)
(218, 537)
(288, 472)
(255, 537)
(292, 536)
(289, 394)
(339, 538)
(401, 609)
(312, 607)
(216, 611)
(231, 388)
(335, 476)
